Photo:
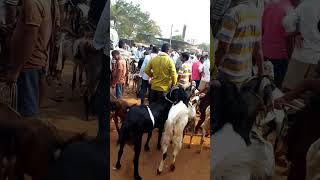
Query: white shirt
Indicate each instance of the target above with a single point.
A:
(307, 17)
(144, 65)
(205, 68)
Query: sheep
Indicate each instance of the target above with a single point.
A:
(174, 126)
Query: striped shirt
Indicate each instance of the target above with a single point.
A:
(185, 73)
(241, 28)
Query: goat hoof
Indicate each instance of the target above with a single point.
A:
(147, 148)
(137, 178)
(158, 172)
(172, 167)
(159, 147)
(118, 166)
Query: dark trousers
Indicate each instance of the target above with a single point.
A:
(197, 83)
(155, 96)
(28, 93)
(145, 86)
(279, 68)
(102, 105)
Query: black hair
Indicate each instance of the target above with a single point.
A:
(155, 49)
(165, 47)
(115, 52)
(121, 44)
(185, 56)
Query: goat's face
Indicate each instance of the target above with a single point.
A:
(177, 94)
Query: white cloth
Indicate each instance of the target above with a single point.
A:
(205, 68)
(306, 17)
(144, 65)
(151, 115)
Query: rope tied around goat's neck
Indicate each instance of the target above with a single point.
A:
(8, 94)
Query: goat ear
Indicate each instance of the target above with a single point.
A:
(57, 154)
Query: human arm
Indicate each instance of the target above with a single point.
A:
(225, 36)
(307, 85)
(173, 73)
(148, 68)
(258, 57)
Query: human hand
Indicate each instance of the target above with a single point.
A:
(278, 103)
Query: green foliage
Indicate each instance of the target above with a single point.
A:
(132, 23)
(204, 46)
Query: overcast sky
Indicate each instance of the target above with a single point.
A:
(194, 13)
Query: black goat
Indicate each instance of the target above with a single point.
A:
(138, 122)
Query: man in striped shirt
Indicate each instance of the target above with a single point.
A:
(239, 43)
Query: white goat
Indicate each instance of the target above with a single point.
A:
(173, 131)
(232, 159)
(205, 128)
(313, 161)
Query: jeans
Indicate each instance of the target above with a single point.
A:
(28, 93)
(119, 91)
(280, 69)
(145, 86)
(155, 96)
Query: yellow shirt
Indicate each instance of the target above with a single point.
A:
(163, 72)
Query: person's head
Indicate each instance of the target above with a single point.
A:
(184, 57)
(155, 50)
(115, 54)
(121, 44)
(202, 59)
(166, 48)
(134, 45)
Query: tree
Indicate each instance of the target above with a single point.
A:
(132, 23)
(204, 47)
(178, 38)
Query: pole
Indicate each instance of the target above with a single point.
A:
(171, 34)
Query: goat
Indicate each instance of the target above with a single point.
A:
(205, 128)
(313, 161)
(173, 131)
(190, 127)
(119, 112)
(143, 119)
(34, 145)
(249, 156)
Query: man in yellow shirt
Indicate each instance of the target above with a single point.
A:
(163, 73)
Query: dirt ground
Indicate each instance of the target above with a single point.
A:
(67, 113)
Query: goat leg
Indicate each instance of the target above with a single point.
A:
(146, 146)
(202, 139)
(177, 140)
(116, 122)
(159, 138)
(74, 78)
(165, 145)
(120, 152)
(137, 150)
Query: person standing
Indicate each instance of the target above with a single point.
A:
(163, 73)
(205, 75)
(304, 21)
(239, 43)
(119, 73)
(145, 86)
(276, 44)
(29, 52)
(196, 75)
(184, 73)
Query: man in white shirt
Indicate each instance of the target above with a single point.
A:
(204, 69)
(145, 78)
(304, 20)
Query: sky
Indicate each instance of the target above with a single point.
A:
(193, 13)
